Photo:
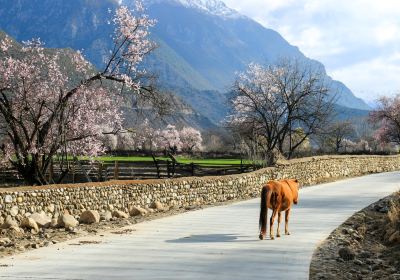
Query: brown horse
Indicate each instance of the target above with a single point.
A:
(278, 196)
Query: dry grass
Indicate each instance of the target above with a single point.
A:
(392, 234)
(373, 234)
(394, 211)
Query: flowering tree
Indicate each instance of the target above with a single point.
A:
(271, 103)
(191, 139)
(363, 146)
(139, 137)
(187, 139)
(387, 115)
(144, 135)
(44, 113)
(169, 139)
(348, 145)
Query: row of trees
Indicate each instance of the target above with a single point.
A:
(338, 137)
(170, 139)
(287, 108)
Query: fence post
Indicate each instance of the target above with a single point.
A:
(174, 161)
(73, 172)
(192, 166)
(100, 171)
(51, 171)
(241, 165)
(106, 174)
(157, 166)
(168, 169)
(116, 170)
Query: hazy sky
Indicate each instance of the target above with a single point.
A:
(357, 40)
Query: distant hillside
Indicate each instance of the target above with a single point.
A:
(345, 113)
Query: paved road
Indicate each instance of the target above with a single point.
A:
(215, 243)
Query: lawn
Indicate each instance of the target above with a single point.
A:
(180, 159)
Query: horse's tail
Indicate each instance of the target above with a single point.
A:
(263, 211)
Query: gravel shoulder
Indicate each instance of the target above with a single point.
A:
(12, 243)
(365, 246)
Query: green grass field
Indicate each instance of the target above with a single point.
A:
(180, 159)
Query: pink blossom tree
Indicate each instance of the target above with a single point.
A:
(191, 139)
(387, 115)
(144, 135)
(44, 114)
(169, 139)
(363, 146)
(348, 145)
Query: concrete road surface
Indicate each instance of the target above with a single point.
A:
(215, 243)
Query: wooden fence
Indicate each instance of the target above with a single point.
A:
(85, 171)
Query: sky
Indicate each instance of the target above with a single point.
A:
(358, 41)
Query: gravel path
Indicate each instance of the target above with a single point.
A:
(214, 243)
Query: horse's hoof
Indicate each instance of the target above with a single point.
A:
(287, 233)
(261, 237)
(272, 238)
(278, 235)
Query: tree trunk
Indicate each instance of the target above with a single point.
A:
(270, 158)
(31, 174)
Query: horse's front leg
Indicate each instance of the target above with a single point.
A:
(271, 224)
(287, 214)
(278, 230)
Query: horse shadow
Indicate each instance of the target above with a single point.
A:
(211, 238)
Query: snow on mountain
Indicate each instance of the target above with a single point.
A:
(214, 7)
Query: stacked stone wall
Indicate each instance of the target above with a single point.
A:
(182, 192)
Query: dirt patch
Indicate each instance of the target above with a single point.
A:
(85, 242)
(124, 231)
(12, 243)
(366, 246)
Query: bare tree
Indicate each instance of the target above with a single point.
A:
(270, 103)
(334, 134)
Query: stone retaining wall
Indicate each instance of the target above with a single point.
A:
(54, 199)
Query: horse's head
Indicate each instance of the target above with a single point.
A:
(296, 185)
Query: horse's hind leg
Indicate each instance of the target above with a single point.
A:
(278, 230)
(287, 214)
(271, 224)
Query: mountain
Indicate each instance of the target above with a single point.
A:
(202, 43)
(212, 48)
